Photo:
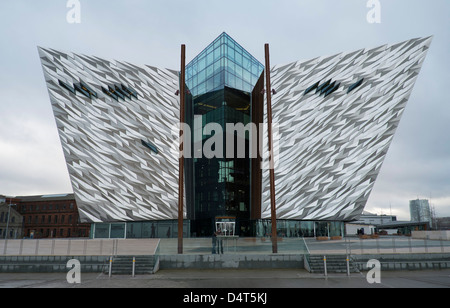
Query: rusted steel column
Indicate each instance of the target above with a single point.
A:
(181, 158)
(271, 157)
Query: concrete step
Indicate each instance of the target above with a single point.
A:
(334, 263)
(123, 265)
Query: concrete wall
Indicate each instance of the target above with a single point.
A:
(432, 235)
(399, 262)
(417, 261)
(230, 261)
(97, 264)
(50, 264)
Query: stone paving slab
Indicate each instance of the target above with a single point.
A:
(236, 279)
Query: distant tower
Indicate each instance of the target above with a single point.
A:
(420, 210)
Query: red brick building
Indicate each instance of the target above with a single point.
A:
(51, 216)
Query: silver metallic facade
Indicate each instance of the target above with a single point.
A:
(331, 145)
(121, 149)
(115, 177)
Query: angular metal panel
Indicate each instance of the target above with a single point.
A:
(332, 143)
(114, 176)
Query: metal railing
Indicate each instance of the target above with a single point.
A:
(379, 245)
(397, 245)
(108, 247)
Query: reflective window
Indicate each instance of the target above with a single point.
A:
(66, 86)
(209, 58)
(201, 76)
(140, 229)
(150, 146)
(313, 87)
(117, 230)
(209, 71)
(355, 85)
(297, 228)
(134, 230)
(217, 53)
(238, 58)
(101, 230)
(201, 64)
(223, 53)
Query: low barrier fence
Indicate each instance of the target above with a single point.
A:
(379, 245)
(205, 246)
(77, 247)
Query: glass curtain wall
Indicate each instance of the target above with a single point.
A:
(297, 228)
(139, 229)
(219, 82)
(223, 63)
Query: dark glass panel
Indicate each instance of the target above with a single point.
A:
(66, 86)
(355, 85)
(150, 146)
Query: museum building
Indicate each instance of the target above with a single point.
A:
(334, 118)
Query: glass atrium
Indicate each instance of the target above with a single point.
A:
(220, 81)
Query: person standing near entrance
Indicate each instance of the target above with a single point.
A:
(214, 242)
(219, 242)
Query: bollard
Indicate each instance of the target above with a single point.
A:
(348, 266)
(134, 265)
(346, 245)
(325, 265)
(84, 247)
(36, 248)
(110, 266)
(53, 247)
(5, 247)
(21, 247)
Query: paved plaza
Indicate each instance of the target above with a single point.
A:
(253, 279)
(229, 278)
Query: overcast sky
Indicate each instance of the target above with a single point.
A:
(151, 32)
